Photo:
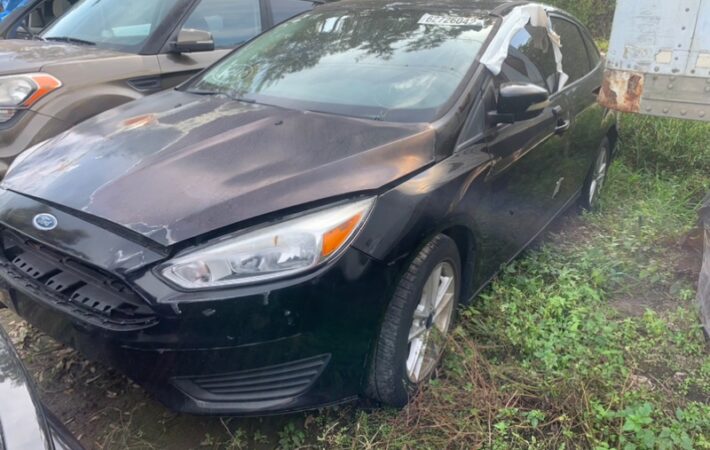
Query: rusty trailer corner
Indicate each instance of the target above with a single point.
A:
(622, 90)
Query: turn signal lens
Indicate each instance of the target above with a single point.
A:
(334, 239)
(44, 85)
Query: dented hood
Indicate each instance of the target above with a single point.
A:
(176, 165)
(24, 56)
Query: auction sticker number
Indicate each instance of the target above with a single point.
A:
(450, 21)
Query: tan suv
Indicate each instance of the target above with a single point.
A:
(105, 53)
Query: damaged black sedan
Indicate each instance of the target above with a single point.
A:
(296, 226)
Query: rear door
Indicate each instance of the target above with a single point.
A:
(231, 22)
(582, 63)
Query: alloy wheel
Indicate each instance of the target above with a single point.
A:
(598, 176)
(432, 320)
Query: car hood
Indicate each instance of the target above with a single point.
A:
(24, 56)
(176, 165)
(22, 421)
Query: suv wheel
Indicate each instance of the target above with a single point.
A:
(417, 323)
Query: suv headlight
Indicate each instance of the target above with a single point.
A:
(276, 251)
(22, 91)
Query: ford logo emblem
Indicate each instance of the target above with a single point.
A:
(45, 222)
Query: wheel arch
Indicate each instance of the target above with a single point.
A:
(465, 241)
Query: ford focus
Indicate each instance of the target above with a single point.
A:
(296, 226)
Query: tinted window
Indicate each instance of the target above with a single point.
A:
(575, 61)
(231, 22)
(285, 9)
(592, 50)
(379, 63)
(119, 24)
(531, 58)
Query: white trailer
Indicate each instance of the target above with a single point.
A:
(659, 64)
(659, 59)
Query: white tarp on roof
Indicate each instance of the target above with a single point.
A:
(517, 20)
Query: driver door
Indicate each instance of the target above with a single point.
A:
(527, 178)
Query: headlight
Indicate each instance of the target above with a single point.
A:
(22, 91)
(275, 251)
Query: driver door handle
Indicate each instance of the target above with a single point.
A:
(563, 125)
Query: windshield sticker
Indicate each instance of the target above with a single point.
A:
(451, 21)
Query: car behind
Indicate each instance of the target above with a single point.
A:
(24, 423)
(98, 56)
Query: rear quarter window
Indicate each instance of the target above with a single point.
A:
(575, 57)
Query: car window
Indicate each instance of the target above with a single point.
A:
(47, 12)
(531, 58)
(117, 24)
(575, 61)
(387, 64)
(231, 22)
(37, 18)
(592, 50)
(285, 9)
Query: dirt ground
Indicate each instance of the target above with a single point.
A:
(105, 410)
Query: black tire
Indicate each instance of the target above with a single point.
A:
(388, 382)
(587, 201)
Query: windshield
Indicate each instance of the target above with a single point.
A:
(389, 64)
(122, 25)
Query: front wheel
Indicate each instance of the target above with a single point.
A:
(597, 177)
(417, 323)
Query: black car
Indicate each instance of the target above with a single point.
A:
(294, 227)
(704, 283)
(24, 423)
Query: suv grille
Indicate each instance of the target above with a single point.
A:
(91, 293)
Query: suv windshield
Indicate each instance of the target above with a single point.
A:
(122, 25)
(383, 63)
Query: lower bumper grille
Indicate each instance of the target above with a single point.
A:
(267, 384)
(86, 292)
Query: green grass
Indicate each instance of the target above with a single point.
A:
(591, 340)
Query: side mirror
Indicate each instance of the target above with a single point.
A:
(191, 41)
(520, 101)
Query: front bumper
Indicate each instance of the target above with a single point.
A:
(284, 347)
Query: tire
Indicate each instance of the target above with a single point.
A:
(594, 184)
(393, 368)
